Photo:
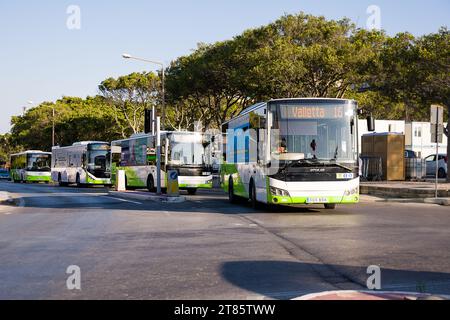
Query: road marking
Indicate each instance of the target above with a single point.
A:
(123, 200)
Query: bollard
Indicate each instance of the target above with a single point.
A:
(120, 181)
(173, 189)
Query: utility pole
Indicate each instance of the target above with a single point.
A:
(158, 156)
(163, 83)
(53, 126)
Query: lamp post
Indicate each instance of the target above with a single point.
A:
(157, 124)
(53, 125)
(163, 86)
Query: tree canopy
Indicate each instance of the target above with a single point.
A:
(393, 77)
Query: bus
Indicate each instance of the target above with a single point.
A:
(83, 163)
(184, 151)
(293, 151)
(31, 166)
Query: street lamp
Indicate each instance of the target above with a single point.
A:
(158, 134)
(129, 56)
(24, 109)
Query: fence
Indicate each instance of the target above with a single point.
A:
(371, 168)
(415, 168)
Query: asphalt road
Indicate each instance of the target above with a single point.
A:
(206, 248)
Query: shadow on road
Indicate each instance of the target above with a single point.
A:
(193, 205)
(288, 280)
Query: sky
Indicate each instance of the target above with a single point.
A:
(42, 59)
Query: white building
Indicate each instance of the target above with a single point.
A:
(417, 135)
(418, 139)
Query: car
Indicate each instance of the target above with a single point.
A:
(409, 154)
(4, 174)
(442, 165)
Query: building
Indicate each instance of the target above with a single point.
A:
(417, 135)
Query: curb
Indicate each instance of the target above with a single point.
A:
(370, 295)
(435, 201)
(146, 196)
(439, 201)
(6, 199)
(402, 192)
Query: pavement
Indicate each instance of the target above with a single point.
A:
(408, 191)
(206, 248)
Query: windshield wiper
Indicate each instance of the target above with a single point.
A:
(294, 162)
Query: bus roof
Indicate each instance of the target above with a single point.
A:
(81, 143)
(263, 104)
(144, 135)
(30, 152)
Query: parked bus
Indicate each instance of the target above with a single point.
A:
(83, 163)
(186, 152)
(293, 151)
(31, 166)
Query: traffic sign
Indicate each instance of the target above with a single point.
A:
(437, 115)
(437, 133)
(437, 123)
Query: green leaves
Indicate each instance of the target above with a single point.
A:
(296, 56)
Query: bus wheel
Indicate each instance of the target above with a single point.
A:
(192, 191)
(330, 206)
(231, 196)
(61, 184)
(150, 183)
(78, 181)
(255, 204)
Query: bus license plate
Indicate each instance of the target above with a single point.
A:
(316, 200)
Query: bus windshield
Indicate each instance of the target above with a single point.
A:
(316, 132)
(187, 149)
(98, 159)
(39, 162)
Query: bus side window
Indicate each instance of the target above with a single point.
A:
(151, 153)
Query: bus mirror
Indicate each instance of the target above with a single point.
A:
(147, 121)
(370, 123)
(257, 121)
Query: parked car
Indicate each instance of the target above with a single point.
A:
(409, 154)
(4, 174)
(442, 165)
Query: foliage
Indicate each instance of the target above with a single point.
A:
(296, 56)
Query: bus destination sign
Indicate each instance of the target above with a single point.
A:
(312, 112)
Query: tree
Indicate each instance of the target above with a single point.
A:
(128, 96)
(76, 119)
(6, 148)
(204, 85)
(434, 66)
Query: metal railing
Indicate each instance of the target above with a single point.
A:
(371, 168)
(415, 168)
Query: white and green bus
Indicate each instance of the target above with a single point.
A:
(31, 166)
(293, 151)
(83, 163)
(184, 151)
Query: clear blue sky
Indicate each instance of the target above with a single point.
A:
(42, 60)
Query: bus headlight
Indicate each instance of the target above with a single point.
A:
(279, 192)
(351, 192)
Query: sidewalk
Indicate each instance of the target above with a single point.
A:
(5, 198)
(405, 191)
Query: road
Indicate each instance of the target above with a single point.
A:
(206, 248)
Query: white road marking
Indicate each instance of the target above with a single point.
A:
(123, 200)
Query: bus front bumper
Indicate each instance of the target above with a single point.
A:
(195, 182)
(332, 192)
(38, 177)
